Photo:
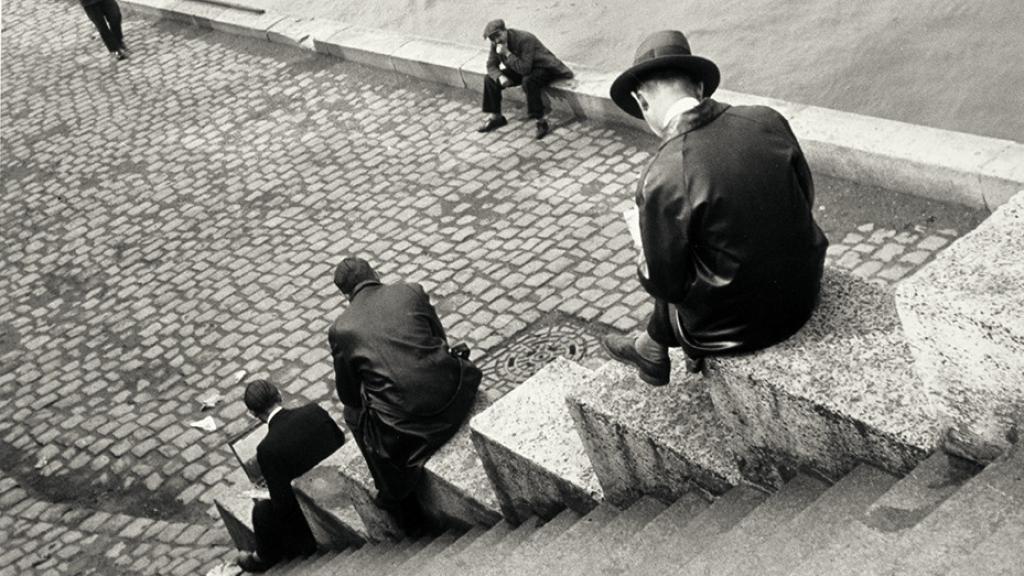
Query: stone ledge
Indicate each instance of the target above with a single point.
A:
(840, 391)
(531, 451)
(940, 164)
(964, 318)
(343, 480)
(366, 46)
(332, 517)
(645, 440)
(456, 488)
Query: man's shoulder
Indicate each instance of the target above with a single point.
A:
(756, 114)
(522, 35)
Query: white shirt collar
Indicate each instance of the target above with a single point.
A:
(681, 106)
(273, 413)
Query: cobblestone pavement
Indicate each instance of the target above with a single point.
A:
(170, 220)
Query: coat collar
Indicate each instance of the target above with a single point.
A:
(694, 118)
(362, 285)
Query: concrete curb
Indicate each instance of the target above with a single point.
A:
(943, 165)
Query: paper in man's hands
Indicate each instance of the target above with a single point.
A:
(632, 218)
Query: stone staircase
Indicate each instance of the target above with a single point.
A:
(869, 522)
(817, 456)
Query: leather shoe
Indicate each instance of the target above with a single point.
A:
(251, 562)
(622, 349)
(493, 124)
(542, 129)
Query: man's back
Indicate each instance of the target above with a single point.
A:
(736, 180)
(296, 441)
(392, 341)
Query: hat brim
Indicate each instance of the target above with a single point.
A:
(701, 69)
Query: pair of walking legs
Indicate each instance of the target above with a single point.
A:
(106, 16)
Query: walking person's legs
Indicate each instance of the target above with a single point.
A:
(112, 11)
(96, 13)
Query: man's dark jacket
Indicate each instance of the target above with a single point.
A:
(392, 365)
(728, 230)
(296, 441)
(526, 55)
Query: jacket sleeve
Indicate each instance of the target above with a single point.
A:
(522, 62)
(429, 314)
(492, 64)
(803, 171)
(665, 214)
(345, 381)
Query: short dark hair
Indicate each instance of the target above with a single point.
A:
(351, 272)
(261, 396)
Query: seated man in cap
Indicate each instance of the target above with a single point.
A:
(731, 253)
(296, 441)
(405, 391)
(518, 57)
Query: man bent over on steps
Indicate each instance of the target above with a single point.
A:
(518, 57)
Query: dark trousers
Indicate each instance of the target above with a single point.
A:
(279, 538)
(106, 15)
(659, 328)
(533, 84)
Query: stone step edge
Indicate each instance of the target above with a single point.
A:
(944, 165)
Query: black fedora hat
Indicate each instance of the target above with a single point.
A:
(665, 49)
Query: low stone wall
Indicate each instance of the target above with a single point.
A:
(964, 318)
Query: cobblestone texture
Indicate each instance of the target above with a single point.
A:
(40, 537)
(172, 219)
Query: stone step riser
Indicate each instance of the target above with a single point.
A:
(531, 451)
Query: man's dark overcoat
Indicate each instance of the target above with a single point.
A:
(296, 441)
(728, 231)
(393, 368)
(527, 54)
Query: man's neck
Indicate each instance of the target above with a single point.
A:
(678, 108)
(273, 412)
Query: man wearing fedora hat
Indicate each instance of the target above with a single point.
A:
(518, 57)
(730, 250)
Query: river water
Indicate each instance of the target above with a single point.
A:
(955, 64)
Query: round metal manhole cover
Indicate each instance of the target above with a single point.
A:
(532, 351)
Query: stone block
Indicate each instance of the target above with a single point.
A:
(841, 390)
(591, 100)
(929, 162)
(302, 33)
(473, 71)
(242, 23)
(1003, 177)
(433, 61)
(456, 489)
(333, 519)
(964, 318)
(532, 454)
(646, 440)
(342, 481)
(367, 46)
(235, 511)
